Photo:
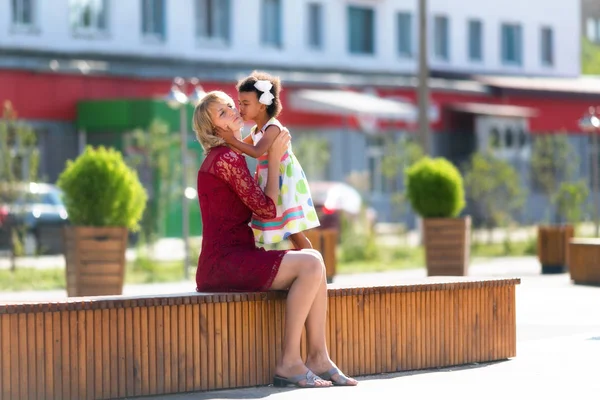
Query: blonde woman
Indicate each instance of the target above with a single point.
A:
(230, 261)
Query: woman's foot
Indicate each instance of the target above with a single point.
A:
(289, 372)
(326, 369)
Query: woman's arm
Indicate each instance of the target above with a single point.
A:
(232, 168)
(261, 147)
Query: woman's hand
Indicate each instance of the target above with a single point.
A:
(280, 145)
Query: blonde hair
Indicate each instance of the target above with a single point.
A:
(203, 124)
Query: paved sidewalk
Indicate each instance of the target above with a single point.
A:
(558, 344)
(557, 368)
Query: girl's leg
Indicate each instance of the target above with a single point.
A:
(300, 241)
(301, 273)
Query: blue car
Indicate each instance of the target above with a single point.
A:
(39, 208)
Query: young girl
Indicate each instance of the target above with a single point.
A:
(259, 102)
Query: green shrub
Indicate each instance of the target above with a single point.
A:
(101, 190)
(435, 188)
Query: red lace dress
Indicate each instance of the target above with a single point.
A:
(228, 195)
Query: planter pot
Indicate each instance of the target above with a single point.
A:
(553, 247)
(325, 241)
(584, 261)
(447, 245)
(95, 259)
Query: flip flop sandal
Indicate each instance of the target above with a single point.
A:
(310, 377)
(342, 380)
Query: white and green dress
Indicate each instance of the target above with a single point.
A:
(295, 208)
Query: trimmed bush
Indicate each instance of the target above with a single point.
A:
(101, 190)
(435, 188)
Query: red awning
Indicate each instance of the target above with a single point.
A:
(498, 110)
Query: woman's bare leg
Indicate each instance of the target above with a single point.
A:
(318, 356)
(301, 272)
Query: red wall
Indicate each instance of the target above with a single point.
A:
(554, 113)
(54, 97)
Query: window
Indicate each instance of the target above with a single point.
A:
(512, 44)
(23, 13)
(361, 30)
(495, 139)
(547, 42)
(212, 20)
(509, 138)
(405, 32)
(153, 19)
(89, 16)
(593, 29)
(315, 25)
(441, 37)
(378, 183)
(271, 23)
(475, 40)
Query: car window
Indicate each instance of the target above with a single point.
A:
(52, 197)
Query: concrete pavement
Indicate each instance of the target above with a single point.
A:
(558, 344)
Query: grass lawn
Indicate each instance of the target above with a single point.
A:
(144, 270)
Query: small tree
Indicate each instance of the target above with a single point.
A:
(314, 155)
(398, 156)
(553, 161)
(570, 198)
(19, 160)
(494, 185)
(156, 151)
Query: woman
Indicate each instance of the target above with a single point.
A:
(229, 259)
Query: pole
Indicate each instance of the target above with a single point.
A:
(595, 180)
(423, 88)
(185, 211)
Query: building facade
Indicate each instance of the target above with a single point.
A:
(55, 56)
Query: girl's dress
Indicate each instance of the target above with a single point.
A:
(295, 209)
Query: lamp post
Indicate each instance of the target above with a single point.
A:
(591, 123)
(177, 99)
(423, 86)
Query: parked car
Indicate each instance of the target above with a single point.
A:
(332, 200)
(40, 209)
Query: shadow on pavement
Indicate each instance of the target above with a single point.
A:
(261, 392)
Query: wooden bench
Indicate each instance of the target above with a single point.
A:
(108, 347)
(325, 240)
(584, 260)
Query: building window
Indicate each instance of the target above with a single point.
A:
(153, 19)
(23, 13)
(495, 139)
(361, 30)
(212, 21)
(547, 44)
(271, 23)
(405, 32)
(378, 183)
(315, 25)
(89, 16)
(441, 37)
(512, 44)
(475, 40)
(593, 30)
